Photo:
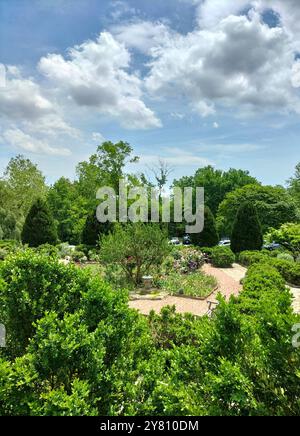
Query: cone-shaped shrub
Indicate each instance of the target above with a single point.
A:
(39, 227)
(93, 229)
(247, 232)
(209, 236)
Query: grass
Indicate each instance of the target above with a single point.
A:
(197, 284)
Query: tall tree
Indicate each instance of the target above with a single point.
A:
(216, 183)
(209, 236)
(93, 229)
(247, 232)
(273, 204)
(294, 185)
(25, 182)
(39, 227)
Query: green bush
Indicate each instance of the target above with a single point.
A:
(247, 258)
(286, 256)
(222, 257)
(247, 232)
(209, 236)
(39, 227)
(290, 271)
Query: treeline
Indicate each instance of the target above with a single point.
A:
(72, 204)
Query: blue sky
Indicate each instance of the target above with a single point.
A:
(193, 82)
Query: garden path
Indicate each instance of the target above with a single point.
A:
(229, 284)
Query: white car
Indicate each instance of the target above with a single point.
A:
(174, 241)
(225, 243)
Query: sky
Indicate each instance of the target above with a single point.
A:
(191, 82)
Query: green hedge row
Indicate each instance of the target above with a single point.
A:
(288, 269)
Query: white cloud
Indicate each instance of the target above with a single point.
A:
(98, 137)
(142, 35)
(176, 157)
(240, 63)
(95, 75)
(22, 98)
(17, 138)
(215, 125)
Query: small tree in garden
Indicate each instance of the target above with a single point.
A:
(288, 236)
(247, 232)
(136, 248)
(209, 236)
(93, 229)
(39, 227)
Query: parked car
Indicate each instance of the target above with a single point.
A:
(174, 241)
(187, 240)
(271, 247)
(225, 243)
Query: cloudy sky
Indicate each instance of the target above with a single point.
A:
(193, 82)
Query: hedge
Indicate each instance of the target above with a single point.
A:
(222, 257)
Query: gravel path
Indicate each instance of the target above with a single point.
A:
(229, 284)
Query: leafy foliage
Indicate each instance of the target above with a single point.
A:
(209, 236)
(136, 248)
(39, 227)
(246, 233)
(222, 257)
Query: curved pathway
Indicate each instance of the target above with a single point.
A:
(229, 284)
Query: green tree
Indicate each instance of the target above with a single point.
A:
(25, 182)
(209, 236)
(216, 183)
(39, 227)
(274, 207)
(294, 185)
(136, 248)
(93, 230)
(246, 233)
(104, 168)
(288, 235)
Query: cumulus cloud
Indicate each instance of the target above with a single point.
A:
(241, 63)
(142, 35)
(17, 138)
(95, 75)
(22, 98)
(98, 137)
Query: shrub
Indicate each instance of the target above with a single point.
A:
(285, 256)
(209, 236)
(193, 285)
(222, 257)
(136, 248)
(39, 227)
(248, 258)
(188, 260)
(247, 232)
(290, 271)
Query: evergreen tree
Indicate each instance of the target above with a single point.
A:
(209, 236)
(93, 229)
(39, 227)
(247, 231)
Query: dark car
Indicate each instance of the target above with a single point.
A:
(186, 240)
(271, 247)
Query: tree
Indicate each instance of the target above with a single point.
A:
(25, 182)
(288, 236)
(209, 236)
(246, 233)
(216, 183)
(93, 230)
(294, 185)
(39, 227)
(104, 168)
(136, 248)
(274, 207)
(69, 209)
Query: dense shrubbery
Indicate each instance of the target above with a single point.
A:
(222, 257)
(89, 354)
(246, 232)
(289, 269)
